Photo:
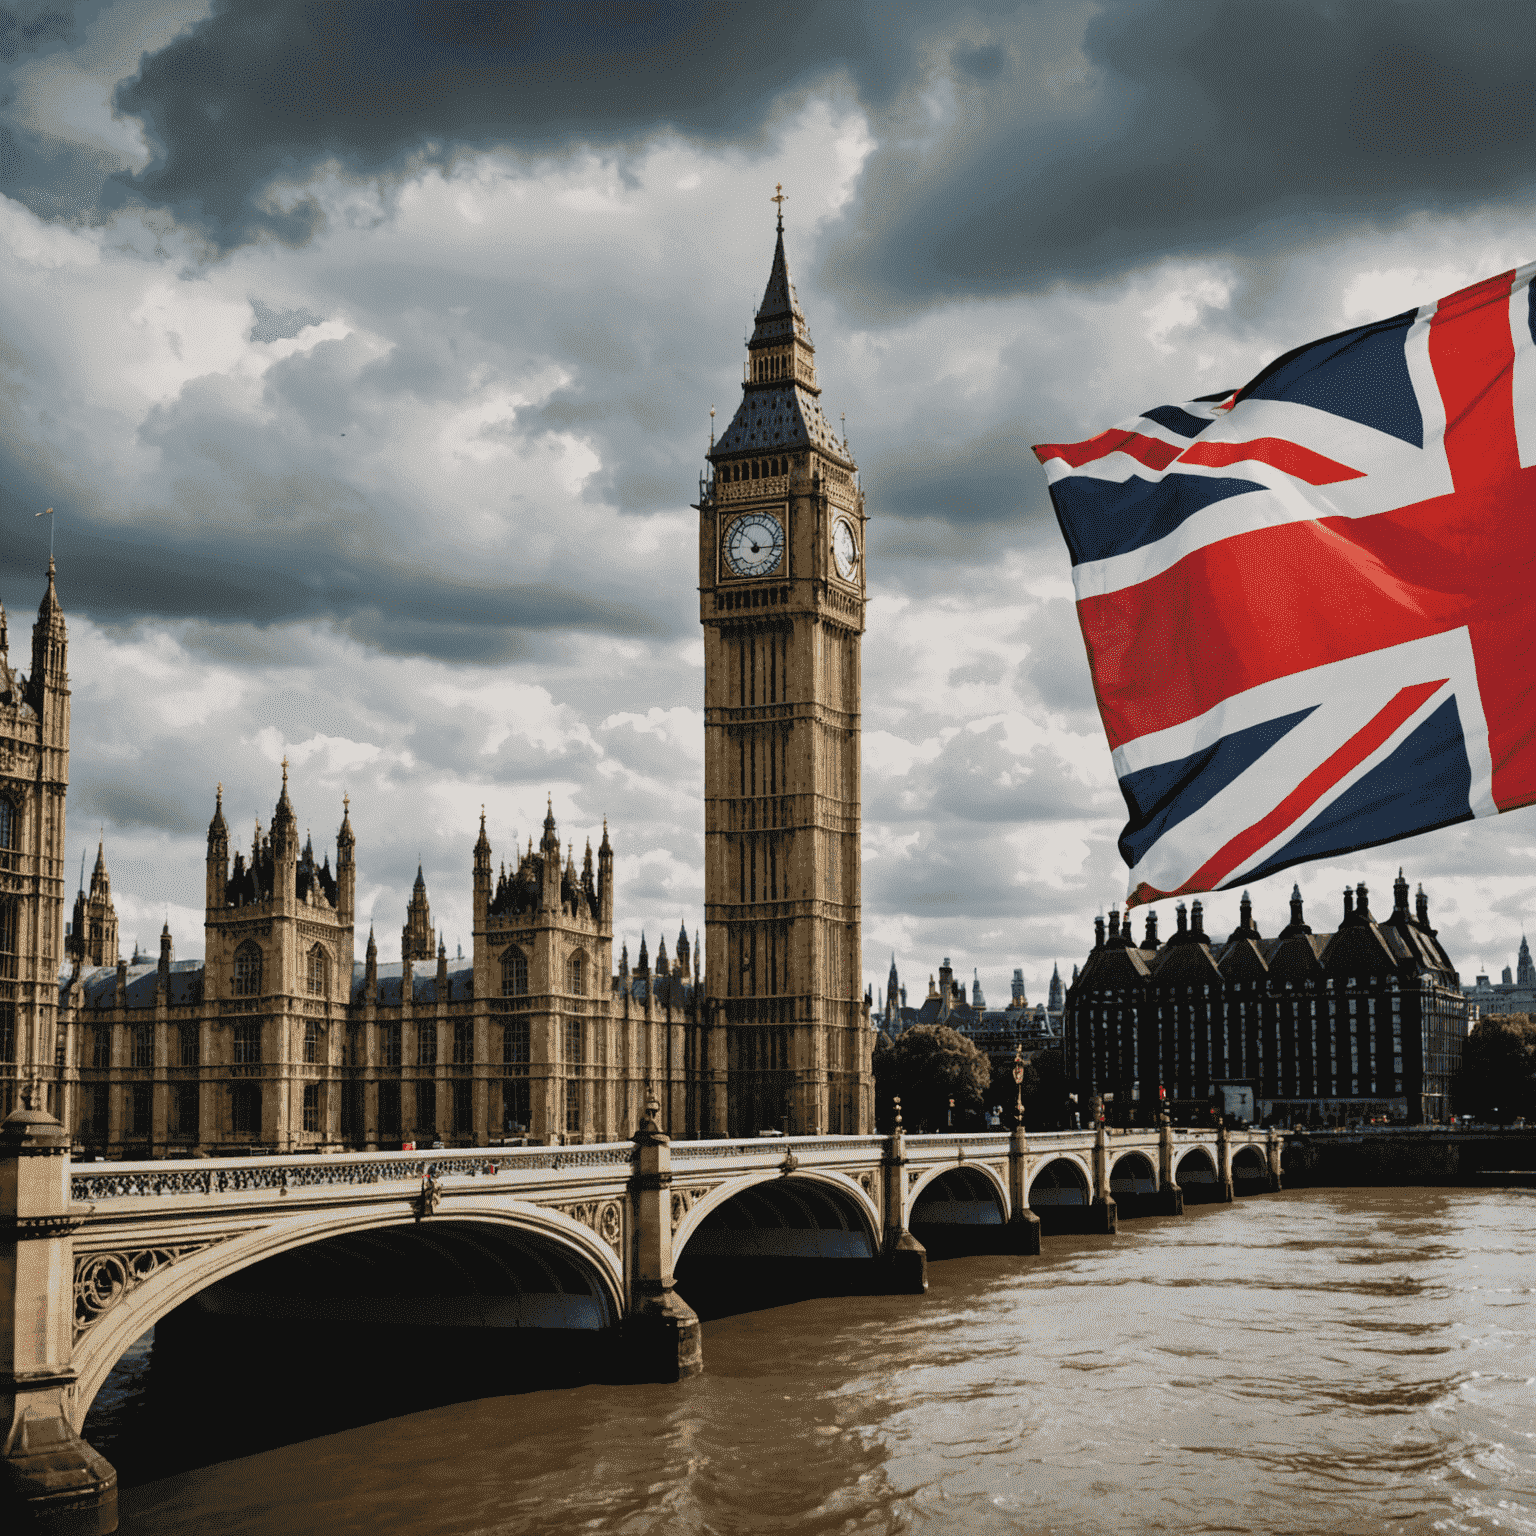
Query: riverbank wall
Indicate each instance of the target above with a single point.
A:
(1405, 1157)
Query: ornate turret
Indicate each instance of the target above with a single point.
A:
(49, 650)
(218, 854)
(371, 968)
(1149, 944)
(346, 865)
(93, 928)
(1056, 999)
(605, 881)
(416, 937)
(682, 950)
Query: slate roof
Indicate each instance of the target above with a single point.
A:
(461, 982)
(99, 985)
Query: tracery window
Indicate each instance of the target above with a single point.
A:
(311, 1044)
(247, 1043)
(191, 1050)
(576, 975)
(316, 972)
(426, 1043)
(514, 973)
(248, 970)
(463, 1042)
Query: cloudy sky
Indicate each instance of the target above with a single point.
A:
(367, 355)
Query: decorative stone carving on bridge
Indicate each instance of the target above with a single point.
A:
(684, 1200)
(913, 1175)
(103, 1279)
(604, 1218)
(867, 1184)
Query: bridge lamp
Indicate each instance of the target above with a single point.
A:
(1018, 1083)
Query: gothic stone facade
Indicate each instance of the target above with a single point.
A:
(1364, 1022)
(34, 774)
(280, 1041)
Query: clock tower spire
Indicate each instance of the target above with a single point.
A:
(781, 589)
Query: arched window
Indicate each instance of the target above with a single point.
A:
(10, 822)
(316, 972)
(248, 971)
(514, 973)
(576, 974)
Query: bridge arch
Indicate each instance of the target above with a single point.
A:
(1250, 1171)
(546, 1242)
(1195, 1172)
(963, 1183)
(1056, 1169)
(779, 1202)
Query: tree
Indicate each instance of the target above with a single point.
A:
(926, 1067)
(1497, 1077)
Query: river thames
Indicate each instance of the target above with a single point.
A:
(1314, 1361)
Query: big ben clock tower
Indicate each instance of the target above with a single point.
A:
(781, 597)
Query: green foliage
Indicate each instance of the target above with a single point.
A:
(1497, 1078)
(925, 1067)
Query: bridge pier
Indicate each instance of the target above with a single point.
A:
(1223, 1164)
(1102, 1215)
(1023, 1224)
(905, 1259)
(662, 1329)
(50, 1479)
(1274, 1148)
(1169, 1193)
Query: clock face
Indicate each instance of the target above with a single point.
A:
(845, 550)
(754, 545)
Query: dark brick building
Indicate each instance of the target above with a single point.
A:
(1364, 1022)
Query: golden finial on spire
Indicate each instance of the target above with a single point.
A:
(711, 429)
(285, 768)
(780, 196)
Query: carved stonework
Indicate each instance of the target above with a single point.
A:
(683, 1201)
(867, 1184)
(913, 1175)
(603, 1216)
(610, 1226)
(103, 1279)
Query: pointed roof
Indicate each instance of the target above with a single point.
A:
(284, 809)
(421, 883)
(780, 414)
(344, 835)
(218, 827)
(779, 316)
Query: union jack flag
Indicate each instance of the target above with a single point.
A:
(1310, 604)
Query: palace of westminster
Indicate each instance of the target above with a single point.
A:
(281, 1039)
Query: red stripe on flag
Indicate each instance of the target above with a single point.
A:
(1268, 603)
(1289, 458)
(1473, 355)
(1152, 451)
(1313, 787)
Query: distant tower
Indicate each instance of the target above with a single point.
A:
(1525, 975)
(1018, 999)
(781, 593)
(892, 987)
(417, 941)
(93, 930)
(1057, 1000)
(977, 1000)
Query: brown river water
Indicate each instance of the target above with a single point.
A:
(1314, 1361)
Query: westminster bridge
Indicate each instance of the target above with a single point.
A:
(586, 1237)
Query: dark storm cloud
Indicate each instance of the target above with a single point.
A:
(990, 478)
(265, 90)
(1194, 128)
(229, 577)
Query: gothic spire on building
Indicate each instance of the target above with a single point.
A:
(416, 937)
